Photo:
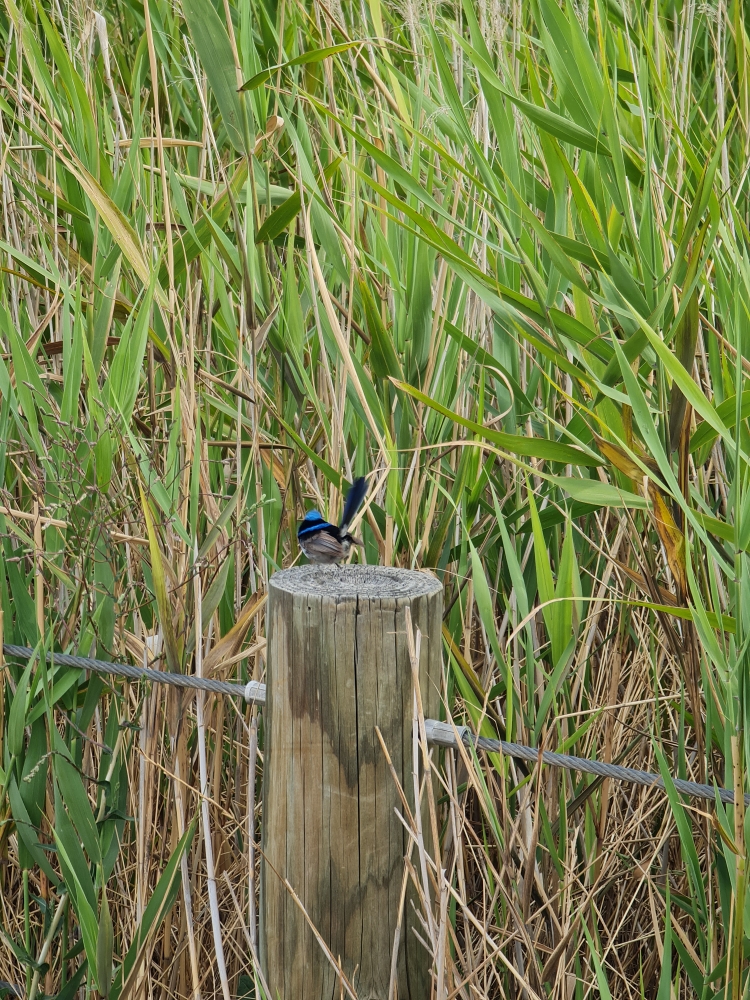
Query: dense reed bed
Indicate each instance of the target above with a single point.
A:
(494, 257)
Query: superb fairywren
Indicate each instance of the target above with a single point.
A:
(323, 542)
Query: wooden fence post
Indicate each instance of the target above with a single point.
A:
(338, 666)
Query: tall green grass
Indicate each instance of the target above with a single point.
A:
(492, 256)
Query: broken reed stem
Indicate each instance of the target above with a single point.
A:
(186, 891)
(145, 790)
(140, 872)
(393, 980)
(250, 943)
(740, 876)
(418, 827)
(213, 900)
(438, 932)
(251, 769)
(414, 642)
(409, 821)
(38, 570)
(48, 943)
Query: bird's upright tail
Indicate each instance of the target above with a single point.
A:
(354, 498)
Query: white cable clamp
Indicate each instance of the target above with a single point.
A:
(255, 693)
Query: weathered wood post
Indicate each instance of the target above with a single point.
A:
(338, 666)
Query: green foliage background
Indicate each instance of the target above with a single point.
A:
(492, 255)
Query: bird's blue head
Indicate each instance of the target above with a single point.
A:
(311, 516)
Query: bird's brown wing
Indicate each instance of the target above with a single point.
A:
(324, 545)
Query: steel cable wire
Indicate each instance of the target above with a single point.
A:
(443, 734)
(438, 733)
(254, 691)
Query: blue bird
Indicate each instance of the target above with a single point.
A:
(323, 542)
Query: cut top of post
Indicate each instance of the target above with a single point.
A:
(374, 582)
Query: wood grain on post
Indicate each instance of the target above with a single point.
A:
(338, 666)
